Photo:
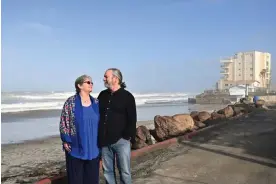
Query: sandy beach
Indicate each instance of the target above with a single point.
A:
(31, 160)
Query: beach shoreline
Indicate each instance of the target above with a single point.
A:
(149, 124)
(20, 127)
(38, 158)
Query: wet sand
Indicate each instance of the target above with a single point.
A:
(17, 116)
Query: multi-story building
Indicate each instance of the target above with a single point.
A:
(246, 68)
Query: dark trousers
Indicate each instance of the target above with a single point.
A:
(82, 171)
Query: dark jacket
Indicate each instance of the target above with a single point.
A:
(118, 116)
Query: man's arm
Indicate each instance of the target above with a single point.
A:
(131, 114)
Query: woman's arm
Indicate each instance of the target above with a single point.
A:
(64, 125)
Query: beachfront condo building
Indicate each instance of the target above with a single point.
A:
(246, 68)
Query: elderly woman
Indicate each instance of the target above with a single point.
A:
(79, 131)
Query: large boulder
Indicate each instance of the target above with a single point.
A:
(227, 111)
(186, 122)
(203, 116)
(142, 138)
(167, 126)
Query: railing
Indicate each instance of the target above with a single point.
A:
(226, 61)
(224, 66)
(224, 72)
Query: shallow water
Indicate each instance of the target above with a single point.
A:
(20, 126)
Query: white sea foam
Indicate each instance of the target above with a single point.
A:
(16, 102)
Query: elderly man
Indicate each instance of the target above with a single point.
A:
(117, 126)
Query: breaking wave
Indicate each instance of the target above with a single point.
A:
(29, 101)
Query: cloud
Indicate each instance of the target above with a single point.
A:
(38, 30)
(39, 27)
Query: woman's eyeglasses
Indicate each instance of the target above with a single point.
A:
(88, 82)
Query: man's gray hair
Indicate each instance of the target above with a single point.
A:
(80, 80)
(117, 73)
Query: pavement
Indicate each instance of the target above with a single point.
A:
(243, 151)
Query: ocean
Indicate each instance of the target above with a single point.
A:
(34, 115)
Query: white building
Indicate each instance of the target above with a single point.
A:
(252, 68)
(238, 92)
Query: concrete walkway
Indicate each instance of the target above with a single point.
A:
(240, 152)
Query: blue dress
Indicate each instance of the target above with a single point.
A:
(88, 133)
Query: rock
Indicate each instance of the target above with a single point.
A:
(153, 139)
(215, 119)
(143, 133)
(259, 103)
(167, 126)
(154, 135)
(203, 116)
(216, 115)
(236, 109)
(227, 111)
(194, 114)
(186, 122)
(243, 108)
(142, 138)
(199, 124)
(138, 144)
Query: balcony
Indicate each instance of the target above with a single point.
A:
(225, 78)
(227, 60)
(224, 72)
(224, 66)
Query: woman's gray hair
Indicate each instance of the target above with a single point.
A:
(80, 80)
(117, 73)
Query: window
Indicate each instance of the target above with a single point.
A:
(251, 75)
(226, 84)
(251, 69)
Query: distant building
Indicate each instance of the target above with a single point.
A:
(251, 68)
